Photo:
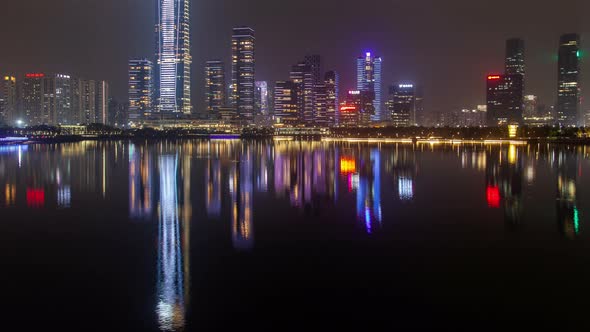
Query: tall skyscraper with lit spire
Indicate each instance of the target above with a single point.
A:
(173, 57)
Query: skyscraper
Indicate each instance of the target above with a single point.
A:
(86, 95)
(515, 63)
(504, 99)
(102, 103)
(286, 104)
(302, 75)
(140, 88)
(8, 107)
(243, 72)
(32, 94)
(173, 54)
(63, 100)
(214, 86)
(331, 81)
(402, 104)
(568, 91)
(261, 98)
(368, 78)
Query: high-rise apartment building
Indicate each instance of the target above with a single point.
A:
(9, 104)
(243, 72)
(568, 91)
(173, 57)
(369, 79)
(214, 86)
(32, 99)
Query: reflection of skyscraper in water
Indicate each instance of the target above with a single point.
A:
(241, 190)
(140, 182)
(305, 172)
(403, 164)
(172, 266)
(213, 194)
(504, 176)
(568, 216)
(368, 196)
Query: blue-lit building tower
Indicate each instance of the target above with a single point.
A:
(369, 79)
(173, 57)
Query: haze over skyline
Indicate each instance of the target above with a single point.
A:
(448, 47)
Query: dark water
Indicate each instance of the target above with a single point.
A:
(208, 236)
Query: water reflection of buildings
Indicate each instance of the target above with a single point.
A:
(174, 216)
(141, 188)
(568, 216)
(402, 163)
(504, 177)
(51, 175)
(305, 172)
(242, 196)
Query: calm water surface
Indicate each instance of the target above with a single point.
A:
(263, 235)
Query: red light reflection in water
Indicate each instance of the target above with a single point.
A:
(35, 198)
(493, 197)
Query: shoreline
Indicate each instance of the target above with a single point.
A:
(383, 140)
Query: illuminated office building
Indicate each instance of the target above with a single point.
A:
(504, 99)
(261, 98)
(173, 57)
(530, 106)
(568, 94)
(331, 82)
(140, 88)
(302, 75)
(515, 64)
(286, 105)
(8, 107)
(403, 104)
(369, 80)
(243, 72)
(214, 86)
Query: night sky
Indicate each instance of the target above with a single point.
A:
(448, 46)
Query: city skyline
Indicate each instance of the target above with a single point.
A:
(414, 55)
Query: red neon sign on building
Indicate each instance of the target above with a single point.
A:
(34, 75)
(493, 77)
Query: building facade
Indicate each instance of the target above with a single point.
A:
(369, 80)
(402, 104)
(9, 104)
(214, 86)
(261, 98)
(504, 99)
(331, 82)
(243, 72)
(286, 105)
(568, 76)
(173, 57)
(515, 61)
(141, 89)
(32, 99)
